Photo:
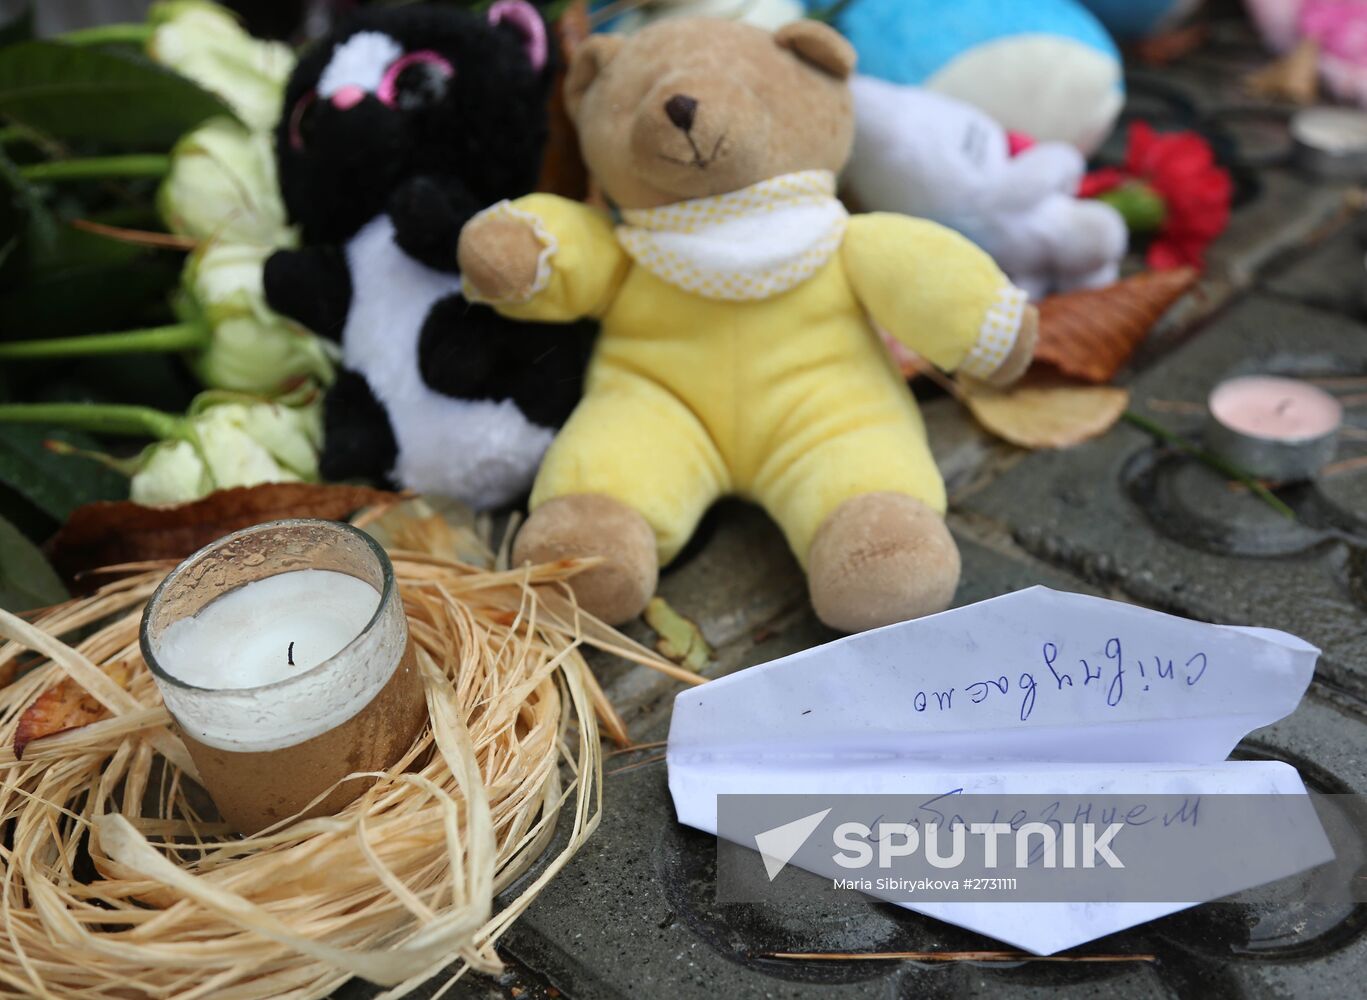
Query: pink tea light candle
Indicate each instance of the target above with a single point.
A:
(1280, 429)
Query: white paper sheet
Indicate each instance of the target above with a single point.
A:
(1034, 692)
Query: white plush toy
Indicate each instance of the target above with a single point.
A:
(921, 153)
(769, 14)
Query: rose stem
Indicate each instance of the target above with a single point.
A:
(101, 418)
(154, 340)
(98, 168)
(109, 34)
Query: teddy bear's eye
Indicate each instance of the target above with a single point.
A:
(415, 80)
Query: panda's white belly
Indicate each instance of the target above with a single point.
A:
(479, 451)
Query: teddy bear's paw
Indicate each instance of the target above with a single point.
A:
(1022, 353)
(589, 524)
(881, 558)
(500, 257)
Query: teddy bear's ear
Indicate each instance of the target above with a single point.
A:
(590, 58)
(818, 44)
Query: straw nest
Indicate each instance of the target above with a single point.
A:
(118, 882)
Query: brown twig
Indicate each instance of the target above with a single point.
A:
(943, 381)
(1332, 469)
(138, 237)
(658, 759)
(1340, 382)
(1174, 406)
(1346, 465)
(636, 748)
(948, 956)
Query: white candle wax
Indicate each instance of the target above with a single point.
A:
(1276, 409)
(268, 630)
(1334, 130)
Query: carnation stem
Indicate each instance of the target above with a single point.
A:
(155, 340)
(98, 168)
(98, 418)
(109, 34)
(1212, 460)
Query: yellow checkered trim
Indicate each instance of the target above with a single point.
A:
(997, 335)
(809, 187)
(669, 267)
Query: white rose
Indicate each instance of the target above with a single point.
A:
(204, 42)
(252, 348)
(222, 185)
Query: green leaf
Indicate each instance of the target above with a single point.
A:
(26, 579)
(23, 216)
(100, 95)
(56, 484)
(62, 300)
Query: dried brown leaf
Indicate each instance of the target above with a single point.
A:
(65, 705)
(680, 638)
(1044, 411)
(1295, 77)
(562, 165)
(1170, 46)
(113, 533)
(433, 525)
(1091, 334)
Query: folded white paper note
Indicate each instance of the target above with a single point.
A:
(1034, 692)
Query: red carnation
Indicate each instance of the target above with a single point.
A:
(1171, 186)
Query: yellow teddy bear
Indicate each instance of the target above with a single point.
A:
(738, 302)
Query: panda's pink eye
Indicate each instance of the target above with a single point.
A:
(415, 79)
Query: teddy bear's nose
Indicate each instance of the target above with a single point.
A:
(681, 110)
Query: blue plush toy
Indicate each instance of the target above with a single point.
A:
(1046, 68)
(1133, 19)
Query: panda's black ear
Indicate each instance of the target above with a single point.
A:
(590, 58)
(526, 20)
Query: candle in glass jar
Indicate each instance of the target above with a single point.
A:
(282, 654)
(268, 630)
(1277, 428)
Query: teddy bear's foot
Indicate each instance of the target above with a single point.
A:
(881, 558)
(589, 524)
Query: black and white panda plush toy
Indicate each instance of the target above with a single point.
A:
(397, 128)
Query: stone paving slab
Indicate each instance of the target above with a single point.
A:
(634, 914)
(1289, 211)
(1123, 512)
(1331, 276)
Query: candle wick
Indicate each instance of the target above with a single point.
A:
(1283, 406)
(290, 655)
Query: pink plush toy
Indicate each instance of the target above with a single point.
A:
(1338, 27)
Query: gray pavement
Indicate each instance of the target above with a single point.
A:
(634, 914)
